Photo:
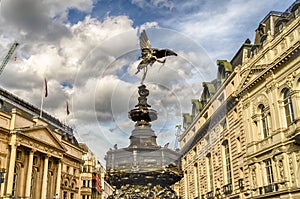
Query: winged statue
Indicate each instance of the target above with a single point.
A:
(151, 55)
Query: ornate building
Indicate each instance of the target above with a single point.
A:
(39, 156)
(93, 185)
(242, 139)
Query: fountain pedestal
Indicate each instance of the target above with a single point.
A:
(143, 169)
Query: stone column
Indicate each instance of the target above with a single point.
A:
(29, 174)
(287, 170)
(58, 180)
(11, 169)
(45, 176)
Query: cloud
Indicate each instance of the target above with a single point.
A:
(97, 58)
(154, 3)
(220, 26)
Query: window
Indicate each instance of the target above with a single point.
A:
(209, 172)
(238, 145)
(50, 164)
(15, 182)
(196, 177)
(227, 162)
(65, 195)
(296, 12)
(84, 169)
(234, 114)
(264, 121)
(19, 155)
(35, 160)
(72, 196)
(288, 106)
(280, 27)
(195, 150)
(269, 171)
(224, 124)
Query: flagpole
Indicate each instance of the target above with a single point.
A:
(42, 102)
(67, 112)
(44, 94)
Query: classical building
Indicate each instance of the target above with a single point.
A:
(242, 139)
(39, 156)
(93, 185)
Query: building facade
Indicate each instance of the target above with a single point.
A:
(242, 139)
(39, 156)
(93, 184)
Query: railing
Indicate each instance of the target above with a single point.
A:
(241, 183)
(210, 195)
(218, 193)
(268, 188)
(227, 189)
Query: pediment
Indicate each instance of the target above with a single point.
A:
(44, 135)
(251, 74)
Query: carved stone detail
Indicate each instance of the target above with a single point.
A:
(291, 167)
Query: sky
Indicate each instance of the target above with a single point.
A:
(88, 50)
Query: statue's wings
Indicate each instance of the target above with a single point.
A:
(163, 53)
(144, 41)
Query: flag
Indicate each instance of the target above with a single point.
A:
(46, 88)
(68, 112)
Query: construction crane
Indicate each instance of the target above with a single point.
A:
(8, 56)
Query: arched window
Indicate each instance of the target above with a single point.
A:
(288, 106)
(264, 121)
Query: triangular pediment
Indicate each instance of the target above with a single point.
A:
(251, 74)
(44, 135)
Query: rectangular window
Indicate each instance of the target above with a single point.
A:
(19, 155)
(227, 162)
(269, 171)
(296, 12)
(15, 182)
(288, 107)
(210, 172)
(65, 195)
(196, 177)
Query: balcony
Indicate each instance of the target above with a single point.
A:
(241, 183)
(210, 195)
(270, 188)
(227, 189)
(218, 193)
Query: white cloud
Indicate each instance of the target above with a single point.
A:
(154, 3)
(221, 27)
(99, 59)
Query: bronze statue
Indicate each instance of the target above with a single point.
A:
(150, 55)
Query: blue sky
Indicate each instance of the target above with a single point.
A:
(88, 50)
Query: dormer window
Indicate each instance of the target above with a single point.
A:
(296, 12)
(280, 27)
